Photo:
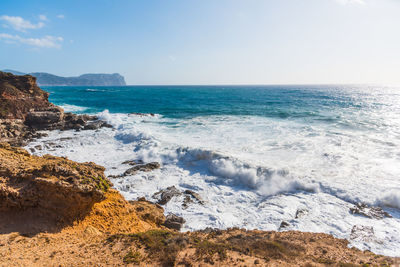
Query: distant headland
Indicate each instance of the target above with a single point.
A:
(47, 79)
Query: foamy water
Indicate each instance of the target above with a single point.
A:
(256, 171)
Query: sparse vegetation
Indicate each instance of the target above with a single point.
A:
(132, 257)
(206, 250)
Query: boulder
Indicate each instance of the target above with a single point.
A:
(368, 211)
(167, 194)
(300, 213)
(284, 225)
(174, 222)
(94, 125)
(143, 168)
(195, 195)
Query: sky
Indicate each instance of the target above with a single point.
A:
(206, 41)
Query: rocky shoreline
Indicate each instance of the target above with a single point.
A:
(25, 110)
(57, 212)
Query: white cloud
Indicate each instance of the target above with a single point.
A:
(20, 24)
(61, 16)
(345, 2)
(44, 42)
(43, 17)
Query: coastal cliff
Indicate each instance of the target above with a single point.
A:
(54, 211)
(25, 109)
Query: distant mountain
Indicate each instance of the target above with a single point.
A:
(14, 72)
(45, 79)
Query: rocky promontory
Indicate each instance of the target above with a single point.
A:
(89, 79)
(25, 109)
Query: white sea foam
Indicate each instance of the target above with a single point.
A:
(390, 199)
(95, 90)
(254, 177)
(73, 108)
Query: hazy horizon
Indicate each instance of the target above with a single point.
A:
(235, 42)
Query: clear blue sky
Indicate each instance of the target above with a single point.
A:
(206, 41)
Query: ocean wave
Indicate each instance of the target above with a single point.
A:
(265, 181)
(95, 90)
(253, 178)
(123, 120)
(73, 108)
(390, 199)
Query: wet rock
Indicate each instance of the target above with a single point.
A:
(65, 138)
(142, 167)
(139, 167)
(167, 194)
(368, 211)
(52, 145)
(94, 125)
(174, 222)
(186, 201)
(141, 114)
(284, 225)
(195, 195)
(132, 162)
(300, 213)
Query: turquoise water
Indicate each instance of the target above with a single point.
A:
(314, 102)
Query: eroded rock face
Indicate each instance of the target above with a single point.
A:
(25, 109)
(19, 95)
(51, 186)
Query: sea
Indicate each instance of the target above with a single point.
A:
(256, 155)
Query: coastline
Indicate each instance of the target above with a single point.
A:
(110, 235)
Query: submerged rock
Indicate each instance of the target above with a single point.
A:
(186, 201)
(300, 213)
(363, 233)
(174, 222)
(132, 162)
(96, 125)
(142, 167)
(195, 195)
(284, 225)
(167, 194)
(136, 168)
(368, 211)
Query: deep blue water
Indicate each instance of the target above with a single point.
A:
(324, 103)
